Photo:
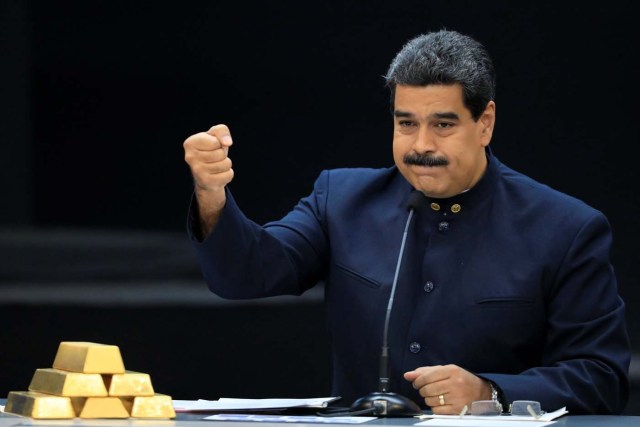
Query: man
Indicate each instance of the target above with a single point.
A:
(505, 290)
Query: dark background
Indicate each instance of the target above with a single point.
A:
(97, 98)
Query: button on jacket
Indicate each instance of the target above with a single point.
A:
(510, 280)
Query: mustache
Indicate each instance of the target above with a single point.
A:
(424, 160)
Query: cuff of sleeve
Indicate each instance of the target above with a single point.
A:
(193, 218)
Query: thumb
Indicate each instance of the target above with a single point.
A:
(223, 134)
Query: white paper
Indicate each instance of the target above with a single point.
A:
(289, 419)
(478, 421)
(462, 422)
(233, 404)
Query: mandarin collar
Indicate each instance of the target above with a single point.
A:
(471, 199)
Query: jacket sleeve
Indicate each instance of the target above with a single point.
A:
(241, 259)
(586, 358)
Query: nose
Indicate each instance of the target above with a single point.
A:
(424, 142)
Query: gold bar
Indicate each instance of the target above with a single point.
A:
(89, 358)
(129, 384)
(64, 383)
(156, 406)
(39, 405)
(99, 407)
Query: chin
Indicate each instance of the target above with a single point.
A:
(436, 193)
(430, 191)
(428, 185)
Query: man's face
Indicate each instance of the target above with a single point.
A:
(437, 145)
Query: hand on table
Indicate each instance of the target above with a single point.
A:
(447, 389)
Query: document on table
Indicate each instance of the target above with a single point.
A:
(492, 421)
(461, 422)
(233, 404)
(307, 419)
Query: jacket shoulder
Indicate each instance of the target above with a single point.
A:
(531, 192)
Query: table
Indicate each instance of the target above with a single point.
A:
(195, 420)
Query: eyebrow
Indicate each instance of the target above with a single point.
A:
(437, 115)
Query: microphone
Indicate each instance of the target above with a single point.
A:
(383, 402)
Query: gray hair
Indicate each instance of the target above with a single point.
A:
(445, 57)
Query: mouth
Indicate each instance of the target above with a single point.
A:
(426, 170)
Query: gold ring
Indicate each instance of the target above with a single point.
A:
(441, 397)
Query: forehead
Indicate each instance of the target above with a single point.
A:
(426, 100)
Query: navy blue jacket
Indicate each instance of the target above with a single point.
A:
(510, 280)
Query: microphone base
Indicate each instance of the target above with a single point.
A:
(386, 404)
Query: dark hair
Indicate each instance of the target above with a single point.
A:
(445, 57)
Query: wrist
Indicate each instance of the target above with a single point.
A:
(209, 208)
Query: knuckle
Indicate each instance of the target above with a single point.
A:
(191, 139)
(187, 142)
(458, 381)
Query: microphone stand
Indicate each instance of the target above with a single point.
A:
(383, 402)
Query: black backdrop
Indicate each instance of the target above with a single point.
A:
(100, 96)
(116, 89)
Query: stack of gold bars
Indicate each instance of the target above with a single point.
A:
(88, 380)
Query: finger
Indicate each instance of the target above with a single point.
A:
(222, 133)
(203, 171)
(213, 181)
(202, 141)
(429, 375)
(213, 156)
(411, 376)
(203, 153)
(433, 389)
(218, 167)
(434, 401)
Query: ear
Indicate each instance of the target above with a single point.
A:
(487, 122)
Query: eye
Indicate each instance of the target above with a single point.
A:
(444, 125)
(406, 123)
